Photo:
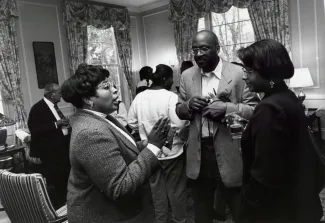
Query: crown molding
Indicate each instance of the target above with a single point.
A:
(149, 6)
(153, 5)
(133, 9)
(141, 8)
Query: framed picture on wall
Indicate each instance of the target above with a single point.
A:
(45, 63)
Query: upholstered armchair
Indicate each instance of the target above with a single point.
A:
(25, 199)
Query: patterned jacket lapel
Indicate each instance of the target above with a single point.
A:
(117, 133)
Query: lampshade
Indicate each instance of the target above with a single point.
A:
(301, 79)
(6, 121)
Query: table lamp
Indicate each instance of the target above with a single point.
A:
(301, 79)
(4, 121)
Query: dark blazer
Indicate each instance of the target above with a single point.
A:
(109, 176)
(232, 88)
(47, 141)
(280, 166)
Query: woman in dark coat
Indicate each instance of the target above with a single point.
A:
(280, 166)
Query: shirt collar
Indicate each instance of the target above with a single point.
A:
(48, 102)
(217, 70)
(96, 113)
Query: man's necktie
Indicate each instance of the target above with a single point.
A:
(61, 115)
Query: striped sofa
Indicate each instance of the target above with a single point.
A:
(25, 199)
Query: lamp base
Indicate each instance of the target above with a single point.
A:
(3, 138)
(301, 96)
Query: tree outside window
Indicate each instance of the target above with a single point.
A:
(102, 50)
(233, 29)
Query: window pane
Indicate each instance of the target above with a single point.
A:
(247, 32)
(233, 33)
(99, 35)
(232, 15)
(243, 14)
(94, 53)
(201, 24)
(220, 31)
(217, 19)
(114, 74)
(229, 53)
(108, 54)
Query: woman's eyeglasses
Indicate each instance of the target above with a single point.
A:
(105, 84)
(247, 71)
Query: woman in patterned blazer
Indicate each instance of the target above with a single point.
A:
(109, 174)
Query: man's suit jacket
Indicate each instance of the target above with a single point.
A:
(232, 87)
(47, 141)
(109, 176)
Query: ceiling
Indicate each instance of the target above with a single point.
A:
(130, 3)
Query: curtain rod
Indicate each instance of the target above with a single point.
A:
(98, 3)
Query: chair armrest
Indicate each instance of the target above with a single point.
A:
(60, 219)
(23, 135)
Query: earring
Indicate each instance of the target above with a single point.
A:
(91, 104)
(271, 84)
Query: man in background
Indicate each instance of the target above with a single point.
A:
(50, 137)
(208, 92)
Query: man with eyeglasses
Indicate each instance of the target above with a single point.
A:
(208, 92)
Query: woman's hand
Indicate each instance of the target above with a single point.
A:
(159, 133)
(142, 144)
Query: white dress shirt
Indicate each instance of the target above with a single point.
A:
(56, 115)
(154, 149)
(210, 84)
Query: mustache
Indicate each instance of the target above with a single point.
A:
(204, 57)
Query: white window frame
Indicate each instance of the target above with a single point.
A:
(209, 26)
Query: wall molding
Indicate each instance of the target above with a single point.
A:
(55, 7)
(61, 45)
(314, 97)
(316, 41)
(138, 38)
(144, 31)
(155, 13)
(153, 5)
(148, 6)
(299, 33)
(317, 86)
(24, 55)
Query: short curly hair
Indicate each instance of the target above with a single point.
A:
(83, 84)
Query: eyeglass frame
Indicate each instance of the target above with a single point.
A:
(196, 50)
(247, 72)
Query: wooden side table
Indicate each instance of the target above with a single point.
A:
(15, 150)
